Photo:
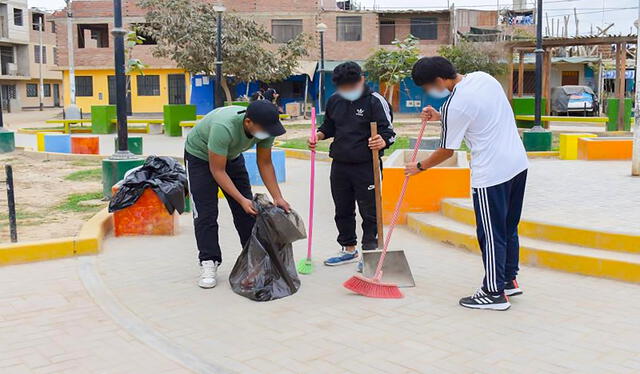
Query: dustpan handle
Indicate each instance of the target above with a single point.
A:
(312, 183)
(396, 212)
(377, 187)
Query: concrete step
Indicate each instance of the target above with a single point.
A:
(460, 210)
(565, 257)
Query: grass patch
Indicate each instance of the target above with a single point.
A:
(85, 163)
(72, 202)
(85, 175)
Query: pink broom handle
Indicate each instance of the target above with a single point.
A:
(312, 182)
(396, 213)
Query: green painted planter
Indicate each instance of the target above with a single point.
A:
(101, 116)
(537, 141)
(612, 114)
(173, 114)
(7, 141)
(135, 144)
(114, 170)
(526, 105)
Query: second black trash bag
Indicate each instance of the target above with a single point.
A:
(265, 269)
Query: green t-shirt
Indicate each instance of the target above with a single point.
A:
(221, 132)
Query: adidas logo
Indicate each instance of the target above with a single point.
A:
(360, 112)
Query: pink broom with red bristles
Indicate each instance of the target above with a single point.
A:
(374, 287)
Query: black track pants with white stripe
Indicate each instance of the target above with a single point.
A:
(497, 210)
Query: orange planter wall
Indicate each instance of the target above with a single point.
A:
(427, 189)
(605, 148)
(147, 216)
(88, 145)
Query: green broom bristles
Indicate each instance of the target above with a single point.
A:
(305, 266)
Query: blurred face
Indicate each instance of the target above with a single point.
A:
(256, 130)
(352, 91)
(438, 89)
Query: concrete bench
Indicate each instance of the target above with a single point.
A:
(86, 145)
(526, 117)
(153, 125)
(569, 145)
(187, 126)
(605, 148)
(67, 123)
(59, 143)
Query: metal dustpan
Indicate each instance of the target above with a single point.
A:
(395, 269)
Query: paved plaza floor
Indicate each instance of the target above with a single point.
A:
(135, 308)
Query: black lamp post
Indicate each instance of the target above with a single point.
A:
(219, 100)
(119, 33)
(537, 124)
(321, 28)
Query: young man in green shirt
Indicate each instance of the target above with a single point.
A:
(213, 156)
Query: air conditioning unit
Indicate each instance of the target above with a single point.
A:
(12, 69)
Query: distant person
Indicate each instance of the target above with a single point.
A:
(213, 155)
(478, 112)
(347, 119)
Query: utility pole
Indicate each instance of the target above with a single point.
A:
(41, 88)
(575, 15)
(635, 158)
(72, 73)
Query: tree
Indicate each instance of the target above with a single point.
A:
(468, 57)
(185, 32)
(133, 65)
(391, 67)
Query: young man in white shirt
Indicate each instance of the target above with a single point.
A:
(478, 112)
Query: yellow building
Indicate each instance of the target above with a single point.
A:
(149, 91)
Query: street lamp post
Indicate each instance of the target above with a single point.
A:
(121, 81)
(219, 101)
(537, 124)
(321, 28)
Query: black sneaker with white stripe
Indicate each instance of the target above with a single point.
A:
(484, 300)
(512, 288)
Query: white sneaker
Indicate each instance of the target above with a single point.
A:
(209, 270)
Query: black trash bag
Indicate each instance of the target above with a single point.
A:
(265, 270)
(164, 175)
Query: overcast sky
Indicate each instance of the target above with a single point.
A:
(590, 12)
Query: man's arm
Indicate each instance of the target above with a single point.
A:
(217, 166)
(268, 174)
(439, 156)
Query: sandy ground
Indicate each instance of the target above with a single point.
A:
(40, 190)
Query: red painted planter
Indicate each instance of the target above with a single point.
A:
(87, 145)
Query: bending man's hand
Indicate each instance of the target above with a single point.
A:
(247, 206)
(282, 204)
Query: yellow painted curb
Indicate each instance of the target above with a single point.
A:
(302, 154)
(572, 263)
(556, 233)
(87, 241)
(544, 154)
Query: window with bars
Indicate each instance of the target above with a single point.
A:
(32, 90)
(17, 17)
(284, 30)
(84, 85)
(47, 90)
(36, 18)
(36, 54)
(349, 28)
(425, 28)
(148, 85)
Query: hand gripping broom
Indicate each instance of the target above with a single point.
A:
(373, 287)
(305, 266)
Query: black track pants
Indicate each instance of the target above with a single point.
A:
(498, 211)
(204, 199)
(351, 184)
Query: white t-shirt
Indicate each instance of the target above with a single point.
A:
(478, 111)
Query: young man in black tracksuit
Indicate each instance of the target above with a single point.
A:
(348, 115)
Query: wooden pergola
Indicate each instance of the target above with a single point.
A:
(527, 46)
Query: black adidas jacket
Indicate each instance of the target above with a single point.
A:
(348, 122)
